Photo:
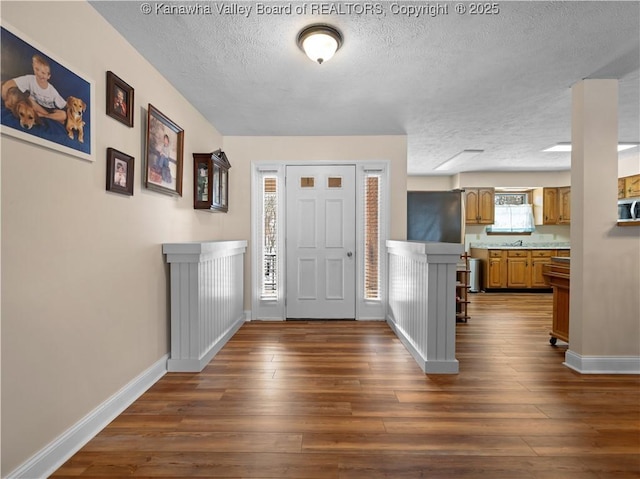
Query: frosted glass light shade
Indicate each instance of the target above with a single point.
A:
(319, 42)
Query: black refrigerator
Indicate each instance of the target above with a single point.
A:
(435, 216)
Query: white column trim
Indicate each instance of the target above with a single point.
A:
(602, 364)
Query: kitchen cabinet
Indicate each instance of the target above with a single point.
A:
(552, 206)
(518, 269)
(564, 205)
(525, 268)
(540, 258)
(515, 268)
(632, 186)
(494, 267)
(621, 188)
(496, 272)
(479, 206)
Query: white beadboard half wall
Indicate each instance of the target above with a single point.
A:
(207, 294)
(422, 301)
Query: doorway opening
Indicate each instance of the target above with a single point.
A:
(318, 236)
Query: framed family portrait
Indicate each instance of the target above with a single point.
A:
(163, 154)
(119, 99)
(44, 102)
(119, 172)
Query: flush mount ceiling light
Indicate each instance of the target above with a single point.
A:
(319, 41)
(566, 147)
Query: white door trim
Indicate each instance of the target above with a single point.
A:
(274, 308)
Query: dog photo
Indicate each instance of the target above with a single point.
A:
(43, 102)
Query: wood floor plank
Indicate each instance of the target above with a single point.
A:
(281, 424)
(488, 426)
(418, 443)
(345, 400)
(195, 441)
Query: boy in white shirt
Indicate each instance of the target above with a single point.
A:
(45, 99)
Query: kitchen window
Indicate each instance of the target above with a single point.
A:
(513, 214)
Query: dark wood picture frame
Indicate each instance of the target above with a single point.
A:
(120, 99)
(163, 154)
(120, 172)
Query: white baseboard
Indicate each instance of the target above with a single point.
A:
(51, 457)
(427, 366)
(195, 365)
(247, 315)
(602, 364)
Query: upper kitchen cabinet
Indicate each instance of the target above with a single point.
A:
(621, 188)
(480, 203)
(629, 187)
(632, 186)
(564, 205)
(552, 206)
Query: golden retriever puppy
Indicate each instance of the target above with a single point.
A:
(24, 111)
(14, 95)
(20, 105)
(75, 108)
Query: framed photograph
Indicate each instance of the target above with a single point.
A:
(119, 172)
(119, 99)
(163, 155)
(43, 101)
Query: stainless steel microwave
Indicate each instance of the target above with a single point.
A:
(629, 209)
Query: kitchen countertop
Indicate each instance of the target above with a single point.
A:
(523, 246)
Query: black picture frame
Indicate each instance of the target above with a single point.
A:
(120, 99)
(120, 171)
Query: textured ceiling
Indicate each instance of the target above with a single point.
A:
(499, 83)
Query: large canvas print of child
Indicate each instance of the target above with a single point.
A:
(41, 98)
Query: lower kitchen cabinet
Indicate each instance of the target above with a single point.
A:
(515, 268)
(518, 270)
(540, 258)
(496, 272)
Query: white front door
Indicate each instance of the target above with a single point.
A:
(320, 242)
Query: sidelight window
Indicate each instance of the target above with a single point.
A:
(372, 236)
(270, 280)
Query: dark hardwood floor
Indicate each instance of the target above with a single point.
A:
(343, 400)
